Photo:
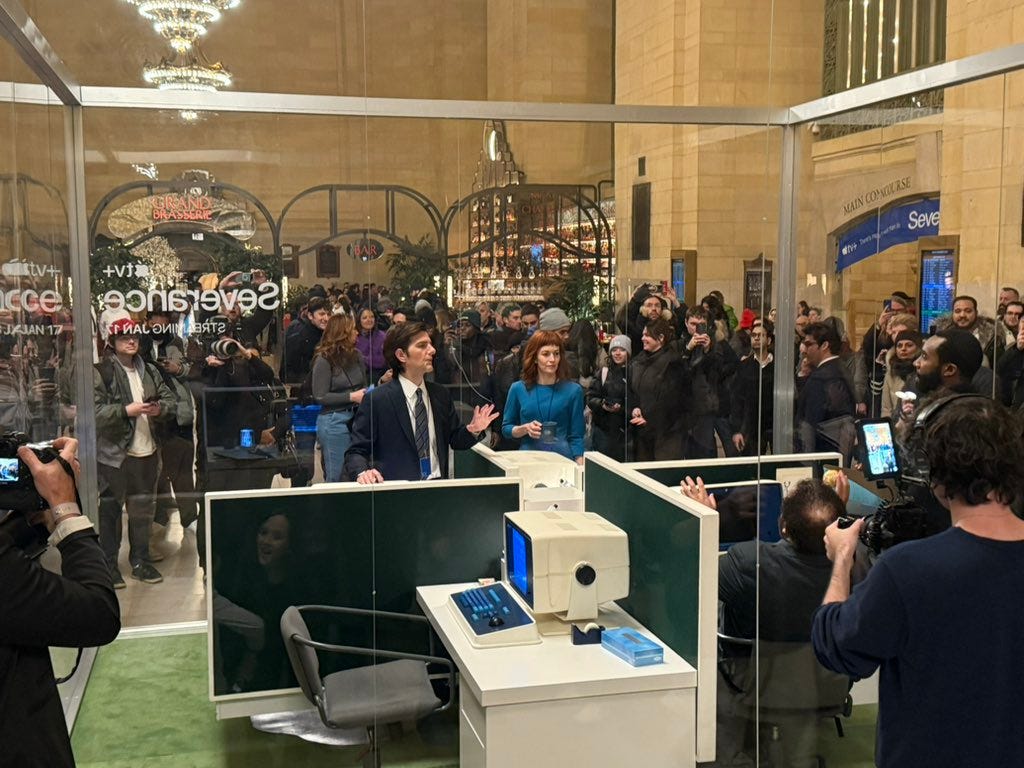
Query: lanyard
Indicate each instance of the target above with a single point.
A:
(551, 400)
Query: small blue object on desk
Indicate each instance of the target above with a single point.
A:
(629, 645)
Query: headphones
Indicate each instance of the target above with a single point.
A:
(917, 459)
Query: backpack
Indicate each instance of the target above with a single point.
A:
(106, 369)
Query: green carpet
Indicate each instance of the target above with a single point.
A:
(146, 706)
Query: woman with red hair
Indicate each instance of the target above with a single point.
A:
(545, 409)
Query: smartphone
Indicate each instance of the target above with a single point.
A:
(887, 305)
(152, 399)
(702, 328)
(664, 286)
(245, 277)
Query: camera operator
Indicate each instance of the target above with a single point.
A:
(39, 609)
(941, 615)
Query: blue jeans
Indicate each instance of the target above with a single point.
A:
(334, 437)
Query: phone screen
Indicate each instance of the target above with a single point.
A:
(702, 328)
(9, 470)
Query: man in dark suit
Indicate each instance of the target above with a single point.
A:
(403, 429)
(826, 394)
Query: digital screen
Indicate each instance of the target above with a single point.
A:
(519, 561)
(9, 470)
(938, 287)
(748, 511)
(879, 451)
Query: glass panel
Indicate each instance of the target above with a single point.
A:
(37, 391)
(907, 217)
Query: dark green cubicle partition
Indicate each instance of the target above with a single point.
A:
(355, 546)
(673, 565)
(474, 463)
(664, 556)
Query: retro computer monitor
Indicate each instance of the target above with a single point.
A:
(565, 563)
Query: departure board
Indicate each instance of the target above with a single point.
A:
(938, 285)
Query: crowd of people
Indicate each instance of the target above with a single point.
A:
(669, 381)
(188, 402)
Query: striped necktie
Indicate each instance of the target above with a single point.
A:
(422, 430)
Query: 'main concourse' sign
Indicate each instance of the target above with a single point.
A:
(899, 224)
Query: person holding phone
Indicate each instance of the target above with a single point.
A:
(606, 399)
(658, 395)
(131, 397)
(711, 365)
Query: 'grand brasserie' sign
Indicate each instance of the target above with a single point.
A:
(178, 207)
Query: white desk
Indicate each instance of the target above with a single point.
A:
(557, 704)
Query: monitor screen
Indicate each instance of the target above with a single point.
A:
(748, 511)
(880, 460)
(519, 561)
(9, 470)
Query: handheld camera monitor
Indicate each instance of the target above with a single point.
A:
(878, 449)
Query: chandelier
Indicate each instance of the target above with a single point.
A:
(189, 71)
(182, 21)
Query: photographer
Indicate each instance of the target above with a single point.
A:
(39, 609)
(940, 615)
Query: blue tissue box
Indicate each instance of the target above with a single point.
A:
(629, 645)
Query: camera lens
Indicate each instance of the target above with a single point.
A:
(225, 348)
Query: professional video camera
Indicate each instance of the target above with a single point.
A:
(901, 518)
(19, 499)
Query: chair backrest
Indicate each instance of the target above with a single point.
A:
(791, 679)
(303, 658)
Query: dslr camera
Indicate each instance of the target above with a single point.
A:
(19, 499)
(225, 349)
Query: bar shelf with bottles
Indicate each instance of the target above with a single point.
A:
(523, 237)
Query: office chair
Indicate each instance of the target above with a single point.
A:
(788, 691)
(364, 697)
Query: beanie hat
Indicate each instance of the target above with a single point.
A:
(472, 317)
(425, 315)
(422, 304)
(553, 319)
(621, 342)
(913, 336)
